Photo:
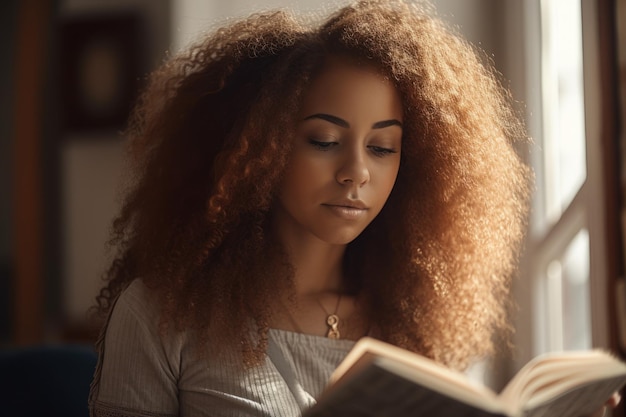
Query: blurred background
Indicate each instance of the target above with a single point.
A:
(72, 68)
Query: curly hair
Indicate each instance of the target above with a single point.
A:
(210, 139)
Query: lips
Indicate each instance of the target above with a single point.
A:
(348, 203)
(347, 209)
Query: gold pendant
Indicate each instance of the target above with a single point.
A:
(333, 321)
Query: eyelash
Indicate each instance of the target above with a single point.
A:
(381, 152)
(378, 151)
(322, 145)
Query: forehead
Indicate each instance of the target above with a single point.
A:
(348, 88)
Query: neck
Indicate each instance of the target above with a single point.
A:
(318, 267)
(319, 289)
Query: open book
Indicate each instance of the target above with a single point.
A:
(378, 379)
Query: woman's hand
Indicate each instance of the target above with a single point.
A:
(611, 403)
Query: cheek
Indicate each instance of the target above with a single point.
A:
(299, 178)
(306, 172)
(389, 179)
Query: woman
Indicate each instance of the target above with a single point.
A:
(298, 187)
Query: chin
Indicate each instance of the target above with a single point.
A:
(340, 237)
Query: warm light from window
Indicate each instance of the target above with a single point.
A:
(563, 101)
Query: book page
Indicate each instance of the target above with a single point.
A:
(554, 375)
(581, 401)
(412, 366)
(553, 365)
(374, 391)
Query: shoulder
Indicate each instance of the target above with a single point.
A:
(136, 316)
(139, 365)
(138, 300)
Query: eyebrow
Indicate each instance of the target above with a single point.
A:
(342, 123)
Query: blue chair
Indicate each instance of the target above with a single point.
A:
(46, 381)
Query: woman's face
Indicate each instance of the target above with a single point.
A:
(346, 155)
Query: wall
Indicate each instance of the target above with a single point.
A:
(481, 21)
(91, 165)
(7, 49)
(7, 34)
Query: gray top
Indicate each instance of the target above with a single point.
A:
(142, 373)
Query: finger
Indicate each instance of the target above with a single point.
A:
(614, 400)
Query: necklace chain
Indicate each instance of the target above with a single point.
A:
(332, 320)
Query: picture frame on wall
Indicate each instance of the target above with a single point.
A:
(100, 70)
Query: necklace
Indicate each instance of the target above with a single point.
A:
(332, 320)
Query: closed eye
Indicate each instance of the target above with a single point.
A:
(322, 145)
(381, 151)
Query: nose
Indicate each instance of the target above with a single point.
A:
(353, 170)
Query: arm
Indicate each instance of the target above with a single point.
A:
(135, 375)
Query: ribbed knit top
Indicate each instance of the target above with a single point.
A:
(141, 373)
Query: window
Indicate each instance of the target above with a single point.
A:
(566, 239)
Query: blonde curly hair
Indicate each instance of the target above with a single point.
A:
(209, 145)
